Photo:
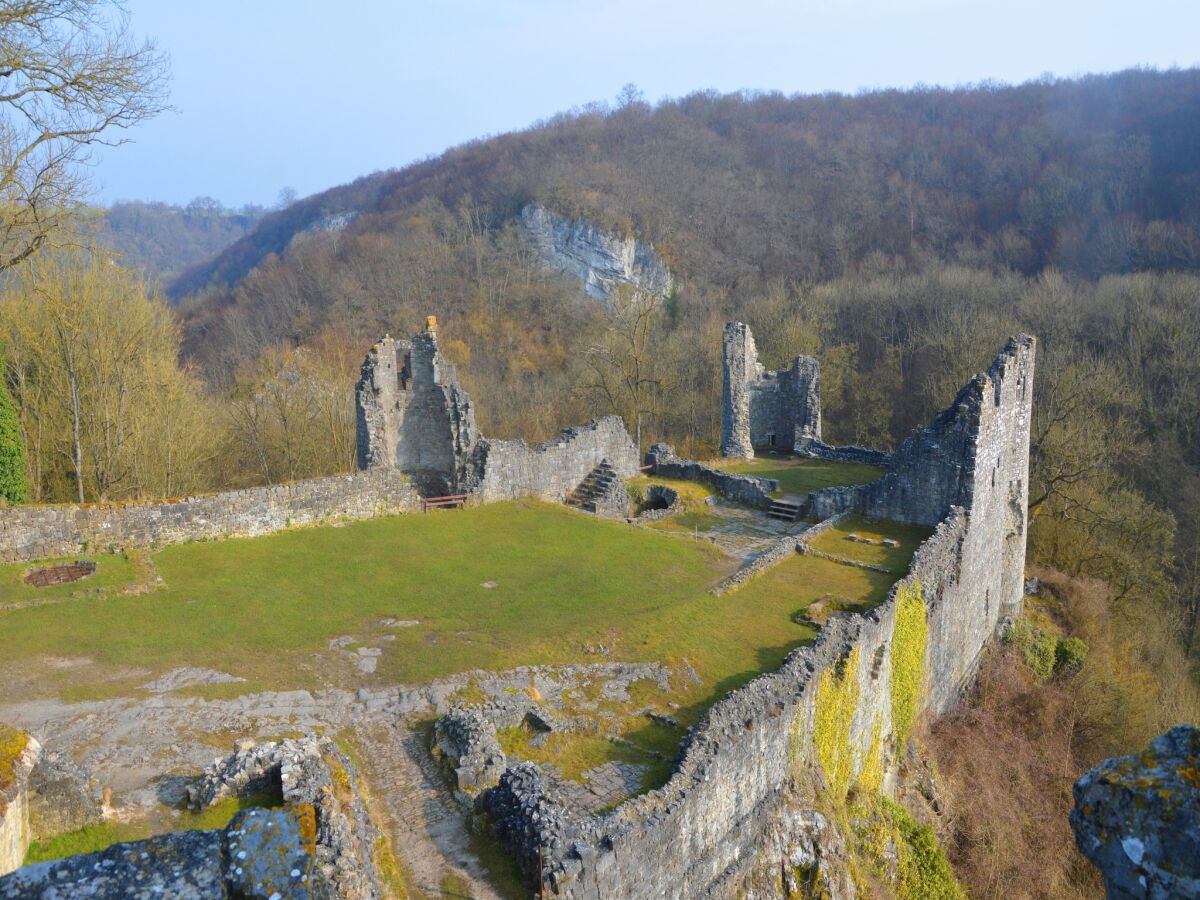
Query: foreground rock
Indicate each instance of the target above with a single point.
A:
(1137, 818)
(318, 844)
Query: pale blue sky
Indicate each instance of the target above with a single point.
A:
(313, 94)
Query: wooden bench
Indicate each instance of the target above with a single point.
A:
(450, 500)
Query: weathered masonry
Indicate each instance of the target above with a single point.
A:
(414, 417)
(742, 801)
(764, 409)
(780, 410)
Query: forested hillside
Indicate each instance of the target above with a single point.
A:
(160, 240)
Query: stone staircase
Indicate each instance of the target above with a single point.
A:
(784, 510)
(598, 482)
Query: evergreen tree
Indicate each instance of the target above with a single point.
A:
(13, 486)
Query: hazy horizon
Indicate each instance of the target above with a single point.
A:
(303, 100)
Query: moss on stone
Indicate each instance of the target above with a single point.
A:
(908, 659)
(12, 745)
(836, 701)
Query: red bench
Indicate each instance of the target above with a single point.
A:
(450, 500)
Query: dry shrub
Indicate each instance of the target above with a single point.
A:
(1007, 760)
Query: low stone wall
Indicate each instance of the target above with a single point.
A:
(41, 532)
(850, 453)
(739, 488)
(554, 469)
(782, 549)
(319, 844)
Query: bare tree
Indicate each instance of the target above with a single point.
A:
(72, 77)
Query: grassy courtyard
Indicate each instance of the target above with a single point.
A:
(561, 584)
(797, 475)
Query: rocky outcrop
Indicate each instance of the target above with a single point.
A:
(1137, 819)
(319, 843)
(600, 260)
(262, 853)
(62, 796)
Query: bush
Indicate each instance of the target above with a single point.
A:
(1038, 648)
(14, 488)
(1069, 655)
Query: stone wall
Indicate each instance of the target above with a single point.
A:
(42, 532)
(706, 828)
(739, 488)
(849, 453)
(766, 409)
(600, 260)
(414, 417)
(552, 470)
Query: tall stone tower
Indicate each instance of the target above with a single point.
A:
(740, 366)
(763, 409)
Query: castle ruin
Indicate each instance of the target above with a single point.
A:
(763, 409)
(415, 417)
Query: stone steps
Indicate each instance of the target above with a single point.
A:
(784, 511)
(597, 482)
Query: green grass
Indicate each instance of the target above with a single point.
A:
(836, 541)
(265, 608)
(691, 493)
(94, 838)
(113, 571)
(689, 522)
(91, 839)
(797, 475)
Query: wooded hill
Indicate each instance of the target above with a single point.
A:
(1094, 176)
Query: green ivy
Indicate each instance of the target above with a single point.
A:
(924, 872)
(837, 699)
(908, 659)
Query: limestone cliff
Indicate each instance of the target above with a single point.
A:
(601, 260)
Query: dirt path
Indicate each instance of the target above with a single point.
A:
(427, 829)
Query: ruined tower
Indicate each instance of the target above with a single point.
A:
(413, 415)
(765, 409)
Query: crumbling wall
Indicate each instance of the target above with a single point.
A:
(745, 489)
(15, 832)
(414, 416)
(43, 532)
(319, 844)
(510, 469)
(766, 409)
(706, 828)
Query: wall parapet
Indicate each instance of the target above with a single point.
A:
(43, 532)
